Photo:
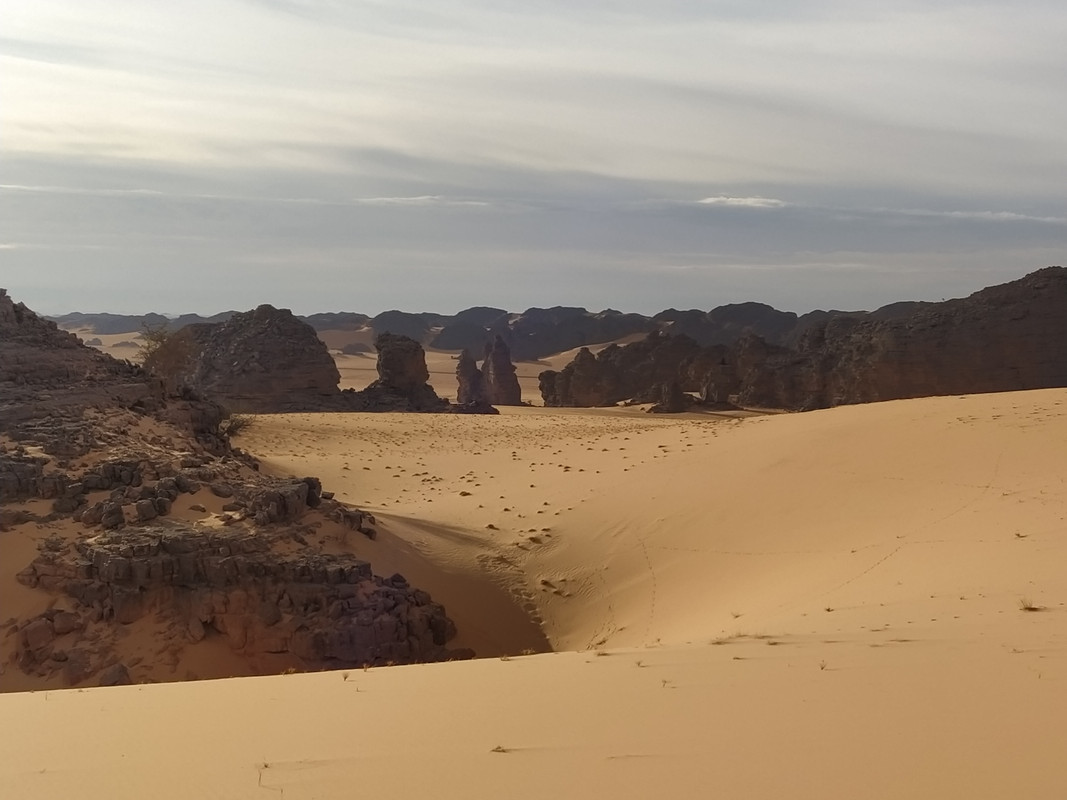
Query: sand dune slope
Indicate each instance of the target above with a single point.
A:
(807, 606)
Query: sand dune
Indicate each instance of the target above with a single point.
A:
(807, 605)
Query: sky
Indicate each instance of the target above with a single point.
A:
(329, 155)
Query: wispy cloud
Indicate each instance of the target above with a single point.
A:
(419, 200)
(980, 216)
(743, 202)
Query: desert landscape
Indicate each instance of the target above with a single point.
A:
(861, 600)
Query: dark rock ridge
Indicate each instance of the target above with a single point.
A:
(1003, 338)
(327, 610)
(629, 372)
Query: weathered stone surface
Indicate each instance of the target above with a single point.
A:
(115, 675)
(264, 360)
(326, 609)
(45, 370)
(401, 364)
(501, 383)
(402, 380)
(471, 382)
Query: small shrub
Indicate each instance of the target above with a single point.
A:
(235, 423)
(1026, 604)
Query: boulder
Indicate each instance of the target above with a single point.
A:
(264, 360)
(115, 675)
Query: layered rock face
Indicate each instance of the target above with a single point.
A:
(327, 610)
(501, 382)
(1003, 338)
(264, 360)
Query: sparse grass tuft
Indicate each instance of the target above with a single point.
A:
(1026, 604)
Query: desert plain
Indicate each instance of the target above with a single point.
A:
(865, 601)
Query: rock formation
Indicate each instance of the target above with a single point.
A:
(328, 610)
(264, 360)
(44, 369)
(632, 372)
(103, 445)
(402, 380)
(672, 400)
(1002, 338)
(471, 382)
(501, 383)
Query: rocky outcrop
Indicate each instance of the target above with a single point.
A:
(471, 382)
(401, 364)
(672, 400)
(258, 361)
(1002, 338)
(402, 380)
(45, 370)
(633, 372)
(327, 610)
(501, 382)
(54, 390)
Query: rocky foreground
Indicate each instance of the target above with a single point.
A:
(145, 518)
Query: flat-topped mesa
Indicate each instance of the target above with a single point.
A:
(501, 383)
(264, 360)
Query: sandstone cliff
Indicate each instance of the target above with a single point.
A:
(1002, 338)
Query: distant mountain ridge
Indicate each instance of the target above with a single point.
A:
(540, 332)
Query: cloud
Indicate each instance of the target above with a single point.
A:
(743, 202)
(420, 200)
(980, 216)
